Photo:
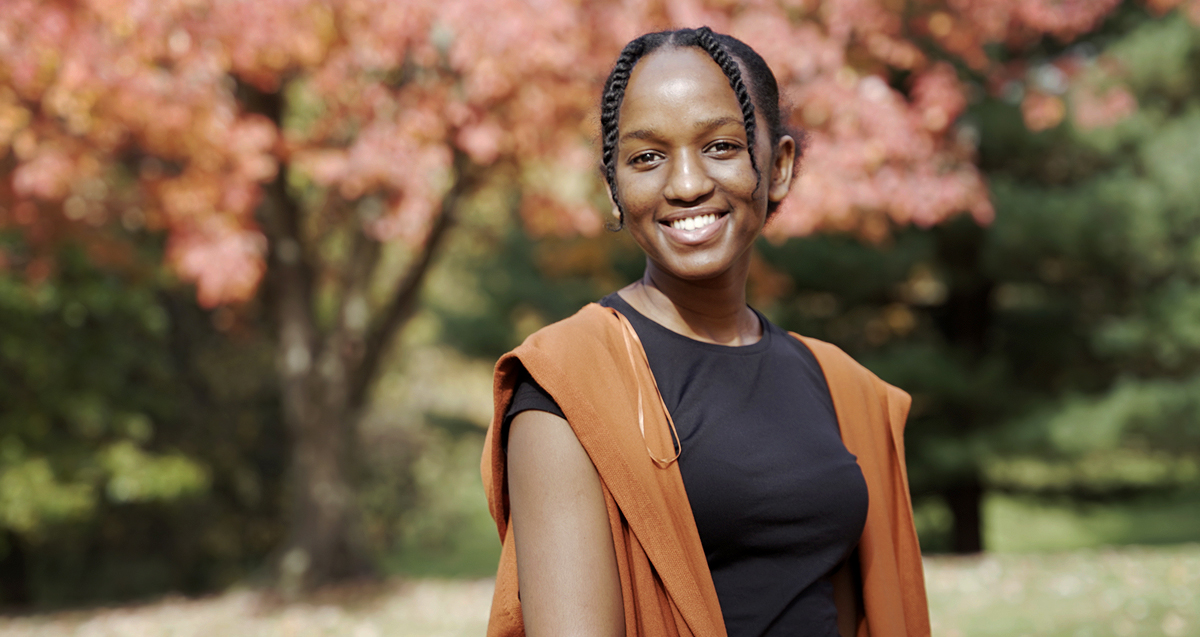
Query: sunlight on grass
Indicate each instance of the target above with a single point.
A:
(430, 608)
(1088, 593)
(1128, 592)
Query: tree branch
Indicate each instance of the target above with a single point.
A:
(290, 269)
(354, 278)
(404, 302)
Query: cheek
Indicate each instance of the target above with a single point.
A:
(737, 178)
(636, 188)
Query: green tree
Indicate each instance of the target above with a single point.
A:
(1055, 351)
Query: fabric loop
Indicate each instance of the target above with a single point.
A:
(627, 331)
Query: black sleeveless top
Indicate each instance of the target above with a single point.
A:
(777, 498)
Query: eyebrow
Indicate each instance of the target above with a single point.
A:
(702, 126)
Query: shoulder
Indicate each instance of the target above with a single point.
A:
(589, 328)
(568, 346)
(590, 367)
(836, 362)
(582, 353)
(832, 357)
(853, 381)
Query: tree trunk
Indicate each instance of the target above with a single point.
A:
(14, 574)
(326, 371)
(965, 320)
(965, 500)
(323, 543)
(316, 370)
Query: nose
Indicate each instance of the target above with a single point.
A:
(687, 180)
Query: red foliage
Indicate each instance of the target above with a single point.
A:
(128, 111)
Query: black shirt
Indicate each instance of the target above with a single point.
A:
(777, 498)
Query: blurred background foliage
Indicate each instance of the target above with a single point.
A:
(140, 448)
(1053, 357)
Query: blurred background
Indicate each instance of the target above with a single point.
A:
(257, 260)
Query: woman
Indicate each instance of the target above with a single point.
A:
(668, 462)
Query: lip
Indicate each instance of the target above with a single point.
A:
(693, 237)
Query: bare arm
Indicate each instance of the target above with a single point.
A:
(566, 563)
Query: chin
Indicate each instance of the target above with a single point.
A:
(695, 271)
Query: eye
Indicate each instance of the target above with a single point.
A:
(643, 158)
(724, 148)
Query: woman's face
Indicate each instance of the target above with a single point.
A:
(691, 198)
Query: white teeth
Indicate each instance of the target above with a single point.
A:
(693, 223)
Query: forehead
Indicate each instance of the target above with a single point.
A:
(677, 85)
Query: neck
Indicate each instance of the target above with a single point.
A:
(712, 311)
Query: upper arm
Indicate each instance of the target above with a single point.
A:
(566, 563)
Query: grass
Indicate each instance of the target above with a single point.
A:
(434, 608)
(1112, 592)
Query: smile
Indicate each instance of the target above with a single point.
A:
(694, 223)
(696, 229)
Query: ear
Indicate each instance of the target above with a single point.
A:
(783, 162)
(612, 199)
(612, 196)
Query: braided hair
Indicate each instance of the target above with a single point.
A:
(727, 52)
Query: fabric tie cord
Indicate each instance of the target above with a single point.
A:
(630, 337)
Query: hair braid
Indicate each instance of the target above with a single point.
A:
(610, 110)
(707, 41)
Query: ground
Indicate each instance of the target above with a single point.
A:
(1123, 592)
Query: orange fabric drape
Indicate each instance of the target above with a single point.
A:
(584, 364)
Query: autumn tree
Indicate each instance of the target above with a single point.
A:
(314, 155)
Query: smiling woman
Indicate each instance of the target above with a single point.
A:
(667, 461)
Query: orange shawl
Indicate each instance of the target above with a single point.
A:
(584, 362)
